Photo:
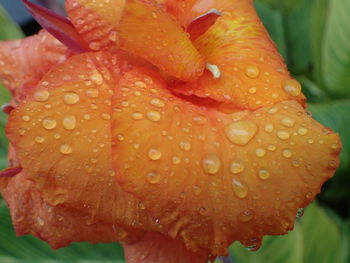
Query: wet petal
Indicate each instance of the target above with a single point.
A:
(239, 176)
(154, 247)
(252, 73)
(19, 58)
(56, 225)
(141, 29)
(62, 138)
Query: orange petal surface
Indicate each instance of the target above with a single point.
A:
(238, 176)
(62, 138)
(244, 67)
(141, 29)
(19, 58)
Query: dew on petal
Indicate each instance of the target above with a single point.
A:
(283, 135)
(69, 122)
(252, 72)
(288, 122)
(41, 95)
(157, 103)
(185, 146)
(49, 123)
(292, 87)
(153, 177)
(66, 149)
(71, 98)
(154, 154)
(245, 216)
(237, 167)
(241, 132)
(211, 164)
(287, 153)
(239, 189)
(154, 115)
(264, 174)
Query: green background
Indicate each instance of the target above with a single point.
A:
(314, 38)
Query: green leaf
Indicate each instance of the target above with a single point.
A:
(286, 249)
(336, 48)
(30, 249)
(273, 21)
(324, 240)
(8, 29)
(316, 238)
(319, 16)
(312, 91)
(335, 115)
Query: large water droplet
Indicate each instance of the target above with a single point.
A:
(66, 149)
(237, 167)
(137, 116)
(252, 72)
(71, 98)
(157, 103)
(240, 190)
(69, 122)
(292, 87)
(49, 123)
(97, 78)
(153, 115)
(241, 132)
(154, 154)
(264, 174)
(41, 95)
(288, 122)
(283, 135)
(302, 131)
(211, 164)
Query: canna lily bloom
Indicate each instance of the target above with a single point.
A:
(172, 127)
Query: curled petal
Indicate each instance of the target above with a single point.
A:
(57, 225)
(252, 73)
(194, 167)
(24, 62)
(141, 29)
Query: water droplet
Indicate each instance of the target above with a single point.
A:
(296, 163)
(214, 69)
(283, 135)
(25, 118)
(241, 132)
(237, 167)
(94, 45)
(211, 164)
(300, 213)
(185, 146)
(252, 90)
(153, 115)
(252, 72)
(292, 87)
(260, 152)
(87, 117)
(41, 95)
(288, 122)
(92, 93)
(302, 131)
(113, 36)
(137, 116)
(49, 123)
(287, 153)
(69, 122)
(157, 103)
(71, 98)
(97, 78)
(264, 174)
(40, 221)
(154, 154)
(310, 141)
(176, 160)
(271, 148)
(39, 139)
(273, 110)
(66, 149)
(153, 177)
(140, 84)
(240, 190)
(269, 128)
(246, 216)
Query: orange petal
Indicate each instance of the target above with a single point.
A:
(62, 138)
(154, 247)
(238, 176)
(141, 29)
(24, 62)
(246, 68)
(56, 225)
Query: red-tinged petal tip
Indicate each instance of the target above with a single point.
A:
(7, 108)
(57, 25)
(10, 172)
(201, 23)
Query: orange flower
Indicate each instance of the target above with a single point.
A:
(177, 133)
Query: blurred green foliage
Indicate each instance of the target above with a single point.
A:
(314, 38)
